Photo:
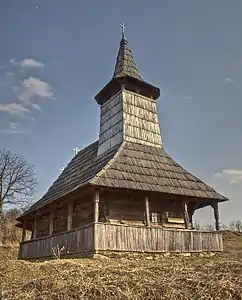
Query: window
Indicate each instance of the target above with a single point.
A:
(174, 214)
(156, 217)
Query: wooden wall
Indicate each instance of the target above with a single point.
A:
(75, 241)
(141, 124)
(128, 116)
(113, 237)
(111, 123)
(123, 208)
(82, 212)
(42, 223)
(129, 208)
(117, 207)
(154, 239)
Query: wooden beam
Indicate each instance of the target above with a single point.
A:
(34, 232)
(95, 220)
(69, 218)
(186, 215)
(24, 231)
(191, 207)
(96, 207)
(190, 217)
(216, 215)
(147, 211)
(51, 222)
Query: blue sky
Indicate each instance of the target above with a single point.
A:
(56, 55)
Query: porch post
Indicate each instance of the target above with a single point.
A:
(186, 216)
(51, 222)
(95, 220)
(96, 207)
(69, 218)
(190, 215)
(34, 233)
(216, 215)
(147, 211)
(24, 231)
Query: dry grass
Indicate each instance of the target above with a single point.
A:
(136, 278)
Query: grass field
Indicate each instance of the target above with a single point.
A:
(133, 278)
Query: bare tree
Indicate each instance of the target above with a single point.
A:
(209, 227)
(17, 180)
(238, 226)
(232, 226)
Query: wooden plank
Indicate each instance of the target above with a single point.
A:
(186, 215)
(69, 218)
(34, 228)
(147, 211)
(51, 222)
(24, 231)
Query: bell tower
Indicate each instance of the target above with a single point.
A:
(128, 105)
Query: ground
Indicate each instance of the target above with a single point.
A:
(132, 277)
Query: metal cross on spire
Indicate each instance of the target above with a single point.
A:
(75, 150)
(123, 27)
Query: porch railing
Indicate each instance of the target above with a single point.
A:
(112, 237)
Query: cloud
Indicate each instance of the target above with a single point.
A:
(9, 74)
(33, 89)
(13, 61)
(230, 175)
(13, 128)
(14, 125)
(31, 63)
(10, 131)
(14, 109)
(227, 80)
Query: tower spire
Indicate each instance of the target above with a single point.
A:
(125, 63)
(126, 74)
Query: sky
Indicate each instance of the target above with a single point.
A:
(55, 56)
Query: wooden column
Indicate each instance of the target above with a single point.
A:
(51, 223)
(34, 233)
(186, 216)
(24, 231)
(147, 211)
(216, 215)
(95, 220)
(96, 207)
(190, 215)
(69, 218)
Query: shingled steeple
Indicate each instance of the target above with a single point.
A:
(126, 74)
(125, 63)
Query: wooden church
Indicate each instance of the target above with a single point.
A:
(122, 192)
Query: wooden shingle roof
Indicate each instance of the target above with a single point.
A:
(128, 166)
(78, 172)
(150, 168)
(125, 64)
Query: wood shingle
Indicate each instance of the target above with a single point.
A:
(129, 166)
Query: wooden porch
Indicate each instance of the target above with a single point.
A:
(98, 237)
